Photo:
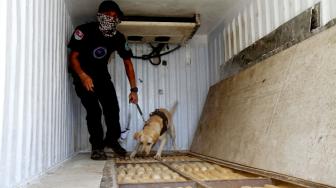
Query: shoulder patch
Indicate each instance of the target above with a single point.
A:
(127, 48)
(79, 35)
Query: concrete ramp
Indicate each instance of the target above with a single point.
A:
(278, 115)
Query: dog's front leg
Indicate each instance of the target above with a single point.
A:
(135, 151)
(162, 144)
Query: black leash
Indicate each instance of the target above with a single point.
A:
(140, 112)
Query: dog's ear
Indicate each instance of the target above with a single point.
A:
(137, 136)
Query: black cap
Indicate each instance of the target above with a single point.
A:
(106, 6)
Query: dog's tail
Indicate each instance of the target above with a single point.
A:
(173, 109)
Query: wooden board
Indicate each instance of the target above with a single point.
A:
(279, 115)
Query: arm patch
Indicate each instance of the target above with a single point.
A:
(79, 35)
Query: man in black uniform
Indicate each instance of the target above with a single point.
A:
(91, 46)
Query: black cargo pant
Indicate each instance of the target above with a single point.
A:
(104, 93)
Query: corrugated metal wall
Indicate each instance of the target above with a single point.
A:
(215, 51)
(254, 21)
(3, 22)
(185, 79)
(39, 113)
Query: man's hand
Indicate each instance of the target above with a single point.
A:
(87, 82)
(133, 97)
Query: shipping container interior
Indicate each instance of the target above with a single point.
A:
(255, 88)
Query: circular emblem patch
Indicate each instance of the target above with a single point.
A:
(99, 53)
(79, 34)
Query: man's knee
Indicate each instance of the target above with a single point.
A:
(111, 109)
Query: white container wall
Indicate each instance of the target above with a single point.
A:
(328, 10)
(253, 22)
(216, 55)
(185, 79)
(3, 22)
(39, 120)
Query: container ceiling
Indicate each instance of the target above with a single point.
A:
(212, 12)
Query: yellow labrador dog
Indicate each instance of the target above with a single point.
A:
(157, 127)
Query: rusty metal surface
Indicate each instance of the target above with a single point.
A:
(238, 183)
(150, 159)
(109, 176)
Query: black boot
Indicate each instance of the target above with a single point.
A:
(98, 155)
(116, 147)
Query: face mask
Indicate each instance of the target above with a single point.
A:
(107, 24)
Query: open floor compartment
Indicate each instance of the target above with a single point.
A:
(195, 172)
